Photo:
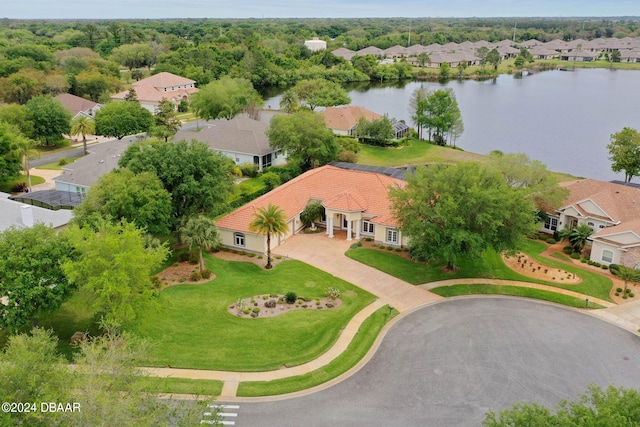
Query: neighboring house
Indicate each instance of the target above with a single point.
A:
(78, 106)
(152, 90)
(343, 120)
(16, 214)
(78, 176)
(355, 201)
(242, 139)
(612, 210)
(579, 56)
(345, 53)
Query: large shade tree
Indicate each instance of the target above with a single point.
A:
(10, 161)
(305, 138)
(225, 98)
(50, 119)
(455, 212)
(138, 198)
(624, 152)
(269, 221)
(198, 179)
(119, 119)
(320, 93)
(31, 276)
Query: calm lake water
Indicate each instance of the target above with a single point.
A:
(562, 118)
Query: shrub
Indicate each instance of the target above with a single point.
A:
(246, 311)
(291, 297)
(631, 294)
(251, 255)
(195, 276)
(285, 173)
(278, 256)
(617, 294)
(368, 239)
(271, 179)
(389, 248)
(332, 292)
(551, 240)
(575, 255)
(256, 309)
(20, 187)
(398, 249)
(63, 161)
(624, 296)
(605, 267)
(194, 257)
(206, 273)
(615, 269)
(249, 169)
(587, 257)
(347, 156)
(156, 282)
(353, 246)
(584, 261)
(618, 289)
(567, 250)
(627, 291)
(597, 264)
(183, 257)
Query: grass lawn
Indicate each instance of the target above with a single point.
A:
(7, 186)
(360, 345)
(418, 153)
(456, 290)
(193, 329)
(55, 166)
(182, 386)
(489, 266)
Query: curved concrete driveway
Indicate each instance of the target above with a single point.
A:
(446, 365)
(327, 254)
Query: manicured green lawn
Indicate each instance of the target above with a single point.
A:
(193, 329)
(489, 266)
(360, 345)
(182, 386)
(418, 153)
(456, 290)
(7, 186)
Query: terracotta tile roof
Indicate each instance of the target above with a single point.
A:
(323, 183)
(349, 200)
(346, 117)
(153, 89)
(75, 104)
(620, 203)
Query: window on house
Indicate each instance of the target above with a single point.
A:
(601, 226)
(238, 239)
(551, 223)
(266, 160)
(590, 224)
(368, 227)
(607, 256)
(392, 235)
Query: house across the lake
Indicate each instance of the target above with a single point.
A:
(612, 210)
(354, 201)
(343, 120)
(152, 90)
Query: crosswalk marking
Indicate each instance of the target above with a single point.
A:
(225, 413)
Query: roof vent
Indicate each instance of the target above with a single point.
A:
(101, 161)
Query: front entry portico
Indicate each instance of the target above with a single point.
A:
(345, 221)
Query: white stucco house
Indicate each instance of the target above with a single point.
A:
(612, 210)
(20, 215)
(242, 139)
(355, 202)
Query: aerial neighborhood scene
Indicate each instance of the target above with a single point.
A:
(345, 213)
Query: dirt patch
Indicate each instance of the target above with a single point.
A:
(180, 273)
(527, 266)
(270, 305)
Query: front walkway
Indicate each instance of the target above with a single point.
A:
(325, 253)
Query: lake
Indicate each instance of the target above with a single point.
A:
(562, 118)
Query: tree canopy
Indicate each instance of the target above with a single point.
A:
(438, 112)
(305, 138)
(137, 198)
(10, 163)
(624, 152)
(225, 98)
(320, 93)
(119, 119)
(31, 276)
(50, 119)
(114, 266)
(459, 211)
(198, 179)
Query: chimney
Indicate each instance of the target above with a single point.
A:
(26, 212)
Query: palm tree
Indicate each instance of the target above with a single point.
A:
(289, 101)
(269, 220)
(201, 232)
(24, 149)
(627, 274)
(577, 236)
(83, 125)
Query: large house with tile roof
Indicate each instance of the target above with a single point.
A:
(152, 90)
(242, 139)
(612, 210)
(343, 120)
(355, 202)
(78, 106)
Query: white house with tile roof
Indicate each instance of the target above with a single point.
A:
(152, 90)
(613, 212)
(355, 202)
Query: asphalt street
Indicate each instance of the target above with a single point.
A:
(447, 364)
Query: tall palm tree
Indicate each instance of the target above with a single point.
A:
(201, 232)
(24, 148)
(83, 125)
(269, 220)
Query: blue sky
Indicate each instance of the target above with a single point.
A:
(113, 9)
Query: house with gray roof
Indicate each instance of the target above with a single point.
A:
(78, 176)
(78, 106)
(242, 139)
(16, 214)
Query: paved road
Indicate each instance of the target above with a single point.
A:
(447, 364)
(54, 157)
